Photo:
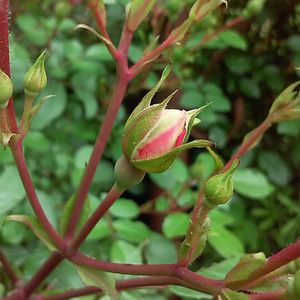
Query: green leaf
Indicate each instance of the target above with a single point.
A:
(176, 224)
(275, 167)
(219, 270)
(68, 210)
(233, 39)
(123, 252)
(53, 109)
(225, 242)
(177, 174)
(250, 88)
(247, 265)
(125, 208)
(12, 191)
(135, 232)
(227, 294)
(252, 184)
(188, 293)
(95, 277)
(34, 225)
(159, 250)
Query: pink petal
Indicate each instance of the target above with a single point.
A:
(166, 140)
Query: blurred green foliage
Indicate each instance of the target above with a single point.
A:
(241, 70)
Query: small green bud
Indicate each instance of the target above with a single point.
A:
(6, 89)
(294, 287)
(126, 175)
(35, 79)
(219, 188)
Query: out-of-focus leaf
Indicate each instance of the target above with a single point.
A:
(34, 225)
(176, 224)
(252, 184)
(95, 277)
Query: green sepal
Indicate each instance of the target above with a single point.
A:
(140, 126)
(191, 116)
(247, 265)
(202, 8)
(35, 226)
(178, 33)
(139, 10)
(162, 163)
(146, 101)
(217, 159)
(288, 95)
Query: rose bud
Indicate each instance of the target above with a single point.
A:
(219, 188)
(35, 79)
(6, 89)
(154, 136)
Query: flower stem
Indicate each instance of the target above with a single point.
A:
(4, 57)
(20, 162)
(111, 197)
(9, 270)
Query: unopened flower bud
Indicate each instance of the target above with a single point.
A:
(154, 136)
(6, 89)
(35, 79)
(219, 188)
(126, 175)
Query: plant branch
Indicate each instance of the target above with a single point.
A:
(102, 27)
(122, 82)
(4, 58)
(196, 280)
(109, 200)
(20, 162)
(8, 268)
(250, 140)
(50, 264)
(273, 263)
(121, 285)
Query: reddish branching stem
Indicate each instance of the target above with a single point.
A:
(20, 162)
(111, 197)
(8, 268)
(4, 57)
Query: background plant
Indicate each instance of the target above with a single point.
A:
(250, 73)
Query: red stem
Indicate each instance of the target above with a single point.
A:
(115, 103)
(102, 27)
(137, 67)
(195, 280)
(50, 264)
(20, 162)
(273, 263)
(254, 137)
(4, 57)
(8, 268)
(111, 197)
(121, 285)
